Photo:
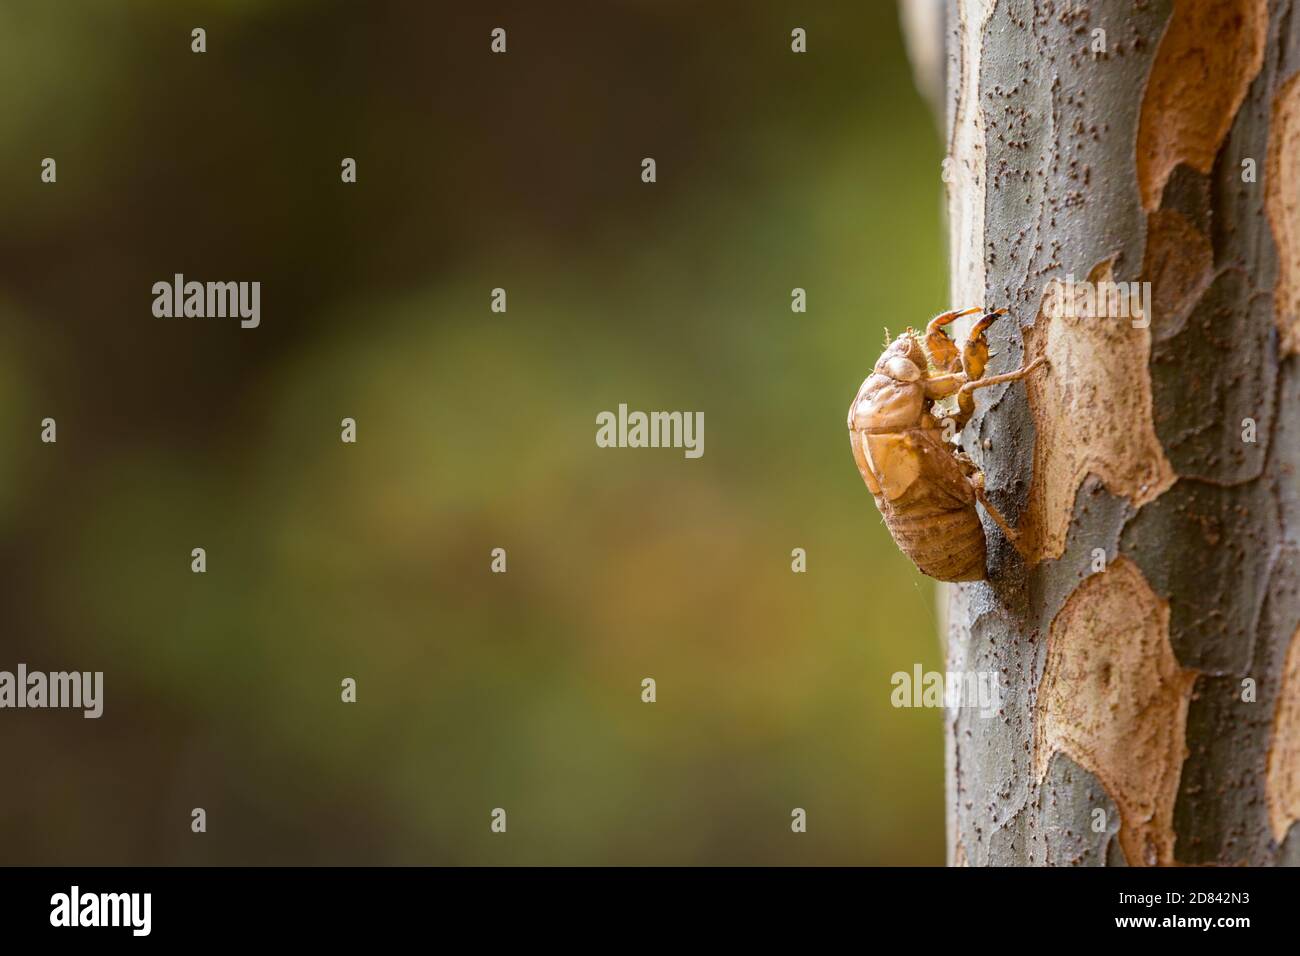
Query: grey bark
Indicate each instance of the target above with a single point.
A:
(1220, 544)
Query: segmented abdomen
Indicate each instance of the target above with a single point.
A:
(947, 544)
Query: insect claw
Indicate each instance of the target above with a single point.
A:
(939, 321)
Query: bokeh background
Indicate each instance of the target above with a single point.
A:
(476, 430)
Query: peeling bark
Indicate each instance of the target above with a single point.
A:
(1091, 415)
(1146, 647)
(1283, 781)
(1114, 698)
(1209, 54)
(1283, 203)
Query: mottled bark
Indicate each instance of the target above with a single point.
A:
(1161, 584)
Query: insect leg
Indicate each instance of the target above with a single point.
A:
(942, 350)
(966, 400)
(1012, 535)
(975, 353)
(1004, 377)
(974, 357)
(941, 386)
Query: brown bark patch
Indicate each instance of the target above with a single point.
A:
(1092, 412)
(1209, 54)
(1179, 265)
(1283, 780)
(1114, 700)
(1282, 200)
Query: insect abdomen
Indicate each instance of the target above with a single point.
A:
(945, 544)
(926, 500)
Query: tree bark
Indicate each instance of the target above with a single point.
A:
(1146, 645)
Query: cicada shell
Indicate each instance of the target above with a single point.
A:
(925, 488)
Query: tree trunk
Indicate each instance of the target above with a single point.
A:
(1146, 645)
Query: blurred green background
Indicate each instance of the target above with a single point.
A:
(475, 431)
